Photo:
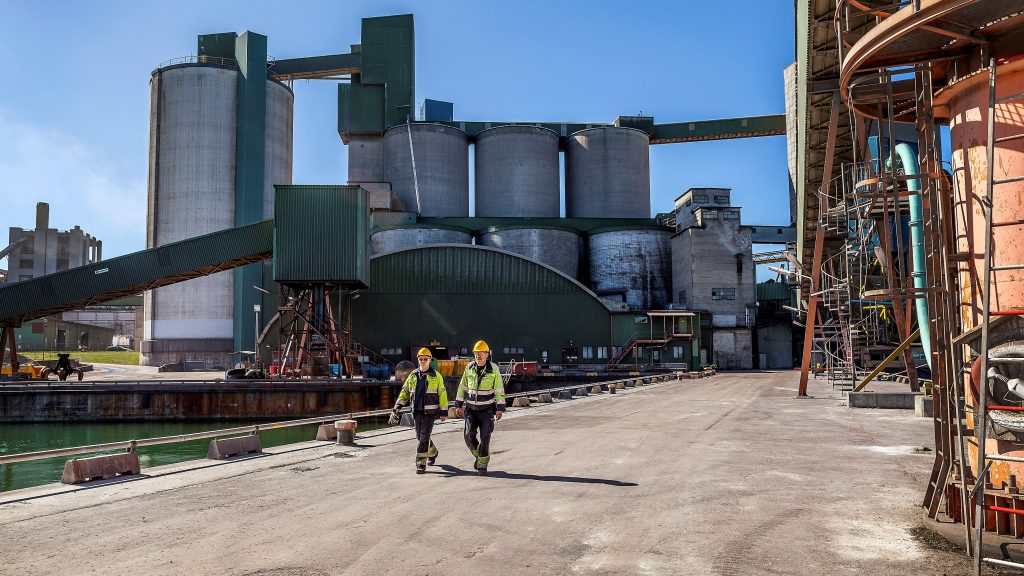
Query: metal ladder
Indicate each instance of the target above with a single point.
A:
(981, 422)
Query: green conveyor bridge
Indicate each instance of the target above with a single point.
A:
(135, 273)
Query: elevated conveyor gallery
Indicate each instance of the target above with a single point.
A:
(134, 273)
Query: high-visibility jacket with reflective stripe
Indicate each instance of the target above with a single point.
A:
(436, 398)
(481, 392)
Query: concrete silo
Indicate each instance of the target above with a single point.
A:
(632, 262)
(516, 172)
(442, 168)
(194, 175)
(608, 173)
(552, 245)
(390, 239)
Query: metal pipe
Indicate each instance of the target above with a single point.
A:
(981, 424)
(911, 168)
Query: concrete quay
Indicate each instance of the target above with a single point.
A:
(723, 475)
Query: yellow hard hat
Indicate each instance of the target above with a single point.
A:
(424, 352)
(481, 346)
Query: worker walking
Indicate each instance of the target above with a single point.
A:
(424, 388)
(481, 399)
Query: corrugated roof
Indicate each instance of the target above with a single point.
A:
(454, 268)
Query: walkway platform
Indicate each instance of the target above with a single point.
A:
(724, 475)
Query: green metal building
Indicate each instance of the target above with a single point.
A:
(457, 294)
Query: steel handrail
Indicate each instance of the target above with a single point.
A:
(253, 429)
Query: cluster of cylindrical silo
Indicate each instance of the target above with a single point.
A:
(517, 174)
(192, 159)
(516, 171)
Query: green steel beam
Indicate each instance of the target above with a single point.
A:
(727, 129)
(478, 225)
(673, 133)
(316, 67)
(250, 160)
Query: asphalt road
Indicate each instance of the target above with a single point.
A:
(727, 475)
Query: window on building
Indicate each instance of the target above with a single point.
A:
(588, 352)
(723, 293)
(391, 352)
(602, 352)
(688, 202)
(682, 296)
(677, 351)
(739, 264)
(28, 246)
(710, 213)
(616, 350)
(730, 214)
(702, 199)
(724, 200)
(24, 263)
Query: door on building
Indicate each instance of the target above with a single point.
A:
(62, 339)
(656, 356)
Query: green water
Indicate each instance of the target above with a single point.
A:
(18, 438)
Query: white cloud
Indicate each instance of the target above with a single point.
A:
(43, 164)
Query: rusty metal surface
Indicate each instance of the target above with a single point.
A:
(202, 401)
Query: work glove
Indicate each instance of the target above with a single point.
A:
(394, 419)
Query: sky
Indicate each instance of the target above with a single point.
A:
(74, 111)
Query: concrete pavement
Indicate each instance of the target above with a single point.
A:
(727, 475)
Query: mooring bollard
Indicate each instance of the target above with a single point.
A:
(612, 388)
(346, 431)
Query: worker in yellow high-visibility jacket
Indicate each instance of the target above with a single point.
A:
(424, 389)
(481, 399)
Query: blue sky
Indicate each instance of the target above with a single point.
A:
(74, 111)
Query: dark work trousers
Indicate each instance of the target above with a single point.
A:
(425, 446)
(482, 421)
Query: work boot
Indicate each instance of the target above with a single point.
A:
(431, 460)
(421, 468)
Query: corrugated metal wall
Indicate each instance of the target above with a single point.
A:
(459, 294)
(320, 235)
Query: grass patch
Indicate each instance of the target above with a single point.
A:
(129, 357)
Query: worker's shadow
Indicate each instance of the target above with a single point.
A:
(449, 470)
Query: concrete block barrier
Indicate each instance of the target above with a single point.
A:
(238, 446)
(545, 398)
(79, 470)
(326, 433)
(596, 389)
(565, 395)
(629, 384)
(582, 391)
(346, 430)
(521, 402)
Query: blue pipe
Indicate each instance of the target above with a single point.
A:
(908, 156)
